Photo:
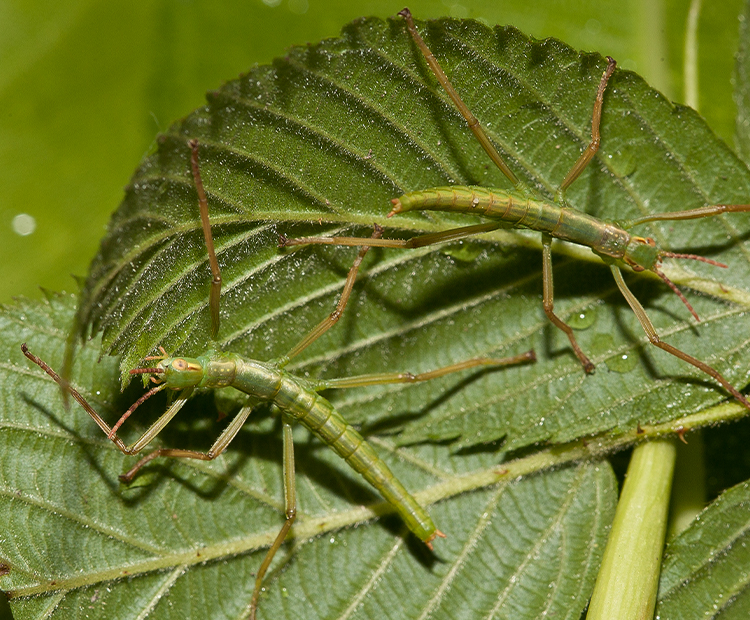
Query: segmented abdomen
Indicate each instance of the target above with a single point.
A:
(317, 414)
(518, 211)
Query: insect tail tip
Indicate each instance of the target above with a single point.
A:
(397, 208)
(29, 354)
(435, 534)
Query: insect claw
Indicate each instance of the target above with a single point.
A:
(158, 357)
(127, 477)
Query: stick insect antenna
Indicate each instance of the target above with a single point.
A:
(677, 292)
(146, 371)
(702, 259)
(673, 286)
(135, 406)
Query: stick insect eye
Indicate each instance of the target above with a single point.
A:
(644, 241)
(180, 364)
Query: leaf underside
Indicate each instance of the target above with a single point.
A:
(187, 538)
(705, 567)
(320, 142)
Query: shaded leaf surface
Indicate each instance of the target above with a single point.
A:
(324, 138)
(705, 572)
(185, 540)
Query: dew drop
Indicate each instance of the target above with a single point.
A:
(298, 7)
(624, 162)
(583, 319)
(622, 362)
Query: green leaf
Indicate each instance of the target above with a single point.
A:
(322, 140)
(59, 471)
(187, 540)
(705, 567)
(66, 511)
(86, 84)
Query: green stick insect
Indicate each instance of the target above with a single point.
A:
(521, 209)
(268, 382)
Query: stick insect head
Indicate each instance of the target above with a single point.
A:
(642, 254)
(176, 373)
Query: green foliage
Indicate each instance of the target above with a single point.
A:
(189, 536)
(330, 133)
(705, 567)
(85, 85)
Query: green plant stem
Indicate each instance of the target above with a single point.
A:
(628, 579)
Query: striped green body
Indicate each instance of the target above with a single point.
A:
(268, 382)
(518, 211)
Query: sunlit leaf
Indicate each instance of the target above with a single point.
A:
(325, 137)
